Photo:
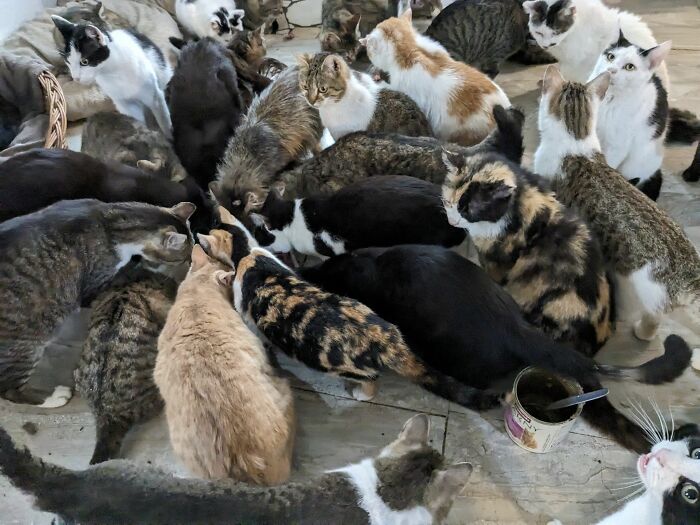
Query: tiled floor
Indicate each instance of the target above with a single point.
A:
(574, 483)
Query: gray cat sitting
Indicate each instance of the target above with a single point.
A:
(55, 260)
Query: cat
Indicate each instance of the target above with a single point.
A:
(124, 139)
(360, 155)
(378, 211)
(279, 127)
(543, 254)
(457, 99)
(650, 253)
(350, 101)
(127, 66)
(684, 128)
(228, 412)
(217, 19)
(205, 107)
(408, 482)
(633, 115)
(115, 372)
(59, 258)
(441, 302)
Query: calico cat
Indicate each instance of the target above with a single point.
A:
(441, 302)
(218, 19)
(378, 211)
(543, 254)
(228, 412)
(633, 114)
(408, 482)
(335, 334)
(351, 101)
(457, 99)
(205, 106)
(115, 372)
(360, 155)
(279, 128)
(59, 258)
(648, 250)
(124, 139)
(127, 66)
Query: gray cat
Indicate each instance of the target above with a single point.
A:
(124, 139)
(115, 373)
(55, 260)
(407, 483)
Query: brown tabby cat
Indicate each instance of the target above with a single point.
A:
(228, 413)
(542, 254)
(350, 101)
(649, 251)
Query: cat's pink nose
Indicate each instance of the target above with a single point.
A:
(662, 456)
(612, 70)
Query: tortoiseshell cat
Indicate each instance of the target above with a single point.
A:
(59, 258)
(408, 482)
(543, 254)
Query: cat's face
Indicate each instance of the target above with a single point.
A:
(204, 269)
(275, 215)
(249, 44)
(85, 48)
(387, 38)
(344, 40)
(323, 78)
(229, 242)
(550, 21)
(224, 23)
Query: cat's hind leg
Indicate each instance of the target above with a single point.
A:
(652, 297)
(692, 174)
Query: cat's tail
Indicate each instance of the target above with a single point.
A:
(507, 138)
(683, 127)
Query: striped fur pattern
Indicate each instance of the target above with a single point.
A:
(343, 22)
(543, 254)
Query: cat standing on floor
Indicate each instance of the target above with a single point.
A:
(350, 101)
(218, 19)
(653, 258)
(457, 99)
(126, 65)
(229, 414)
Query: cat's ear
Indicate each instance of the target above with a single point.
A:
(175, 241)
(216, 192)
(178, 173)
(529, 7)
(183, 211)
(215, 24)
(330, 39)
(64, 26)
(259, 220)
(199, 258)
(225, 278)
(278, 187)
(567, 10)
(454, 162)
(93, 32)
(553, 81)
(351, 24)
(225, 216)
(99, 9)
(333, 63)
(304, 59)
(258, 32)
(407, 15)
(178, 43)
(209, 243)
(599, 85)
(656, 55)
(416, 430)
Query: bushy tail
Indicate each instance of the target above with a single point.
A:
(683, 127)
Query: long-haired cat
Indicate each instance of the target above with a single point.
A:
(57, 259)
(457, 99)
(228, 412)
(653, 258)
(543, 254)
(406, 483)
(127, 66)
(217, 19)
(350, 101)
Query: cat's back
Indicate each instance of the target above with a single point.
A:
(396, 112)
(131, 45)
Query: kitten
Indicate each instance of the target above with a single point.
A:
(127, 66)
(334, 334)
(406, 483)
(115, 372)
(124, 139)
(228, 412)
(351, 101)
(648, 250)
(218, 19)
(441, 302)
(360, 155)
(279, 128)
(205, 106)
(457, 99)
(57, 259)
(378, 211)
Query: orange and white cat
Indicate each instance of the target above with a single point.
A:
(457, 99)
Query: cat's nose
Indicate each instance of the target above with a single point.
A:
(612, 70)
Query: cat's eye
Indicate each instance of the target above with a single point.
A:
(690, 493)
(610, 57)
(695, 453)
(630, 67)
(83, 61)
(323, 89)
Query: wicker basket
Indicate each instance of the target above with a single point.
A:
(56, 109)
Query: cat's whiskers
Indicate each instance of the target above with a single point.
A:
(642, 418)
(632, 494)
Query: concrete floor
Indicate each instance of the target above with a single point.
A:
(575, 483)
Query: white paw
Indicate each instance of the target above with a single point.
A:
(61, 395)
(641, 332)
(358, 394)
(695, 359)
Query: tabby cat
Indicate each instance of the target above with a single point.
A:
(543, 254)
(350, 101)
(59, 258)
(406, 483)
(649, 251)
(115, 372)
(228, 412)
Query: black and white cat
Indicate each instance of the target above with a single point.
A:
(126, 65)
(218, 19)
(377, 211)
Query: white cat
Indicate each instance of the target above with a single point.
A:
(218, 19)
(127, 66)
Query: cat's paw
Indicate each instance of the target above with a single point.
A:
(362, 391)
(61, 395)
(643, 331)
(695, 359)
